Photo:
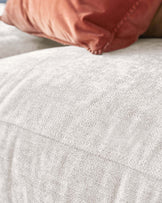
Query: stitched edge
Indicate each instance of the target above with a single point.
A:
(125, 18)
(117, 27)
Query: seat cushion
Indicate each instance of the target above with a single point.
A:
(99, 26)
(84, 129)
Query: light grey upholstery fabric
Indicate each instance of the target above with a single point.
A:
(79, 128)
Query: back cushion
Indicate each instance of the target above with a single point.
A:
(98, 25)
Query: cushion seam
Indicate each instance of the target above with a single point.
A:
(83, 150)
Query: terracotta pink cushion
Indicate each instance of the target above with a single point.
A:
(98, 25)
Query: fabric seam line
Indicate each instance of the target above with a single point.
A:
(75, 147)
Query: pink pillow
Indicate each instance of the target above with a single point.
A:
(98, 25)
